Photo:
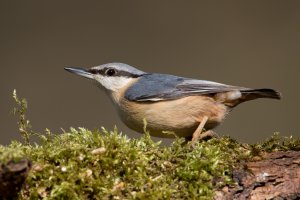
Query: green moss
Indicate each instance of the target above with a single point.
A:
(83, 164)
(277, 143)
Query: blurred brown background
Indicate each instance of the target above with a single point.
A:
(247, 43)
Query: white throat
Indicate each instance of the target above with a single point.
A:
(113, 84)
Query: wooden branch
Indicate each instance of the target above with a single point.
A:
(275, 176)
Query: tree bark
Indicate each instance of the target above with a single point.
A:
(275, 176)
(12, 177)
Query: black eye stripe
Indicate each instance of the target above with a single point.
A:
(127, 74)
(116, 73)
(93, 71)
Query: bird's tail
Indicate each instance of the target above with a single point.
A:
(250, 94)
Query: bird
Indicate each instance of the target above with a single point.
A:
(185, 107)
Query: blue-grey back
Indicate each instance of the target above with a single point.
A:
(153, 86)
(158, 87)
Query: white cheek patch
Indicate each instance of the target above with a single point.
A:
(113, 83)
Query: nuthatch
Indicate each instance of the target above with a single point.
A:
(169, 103)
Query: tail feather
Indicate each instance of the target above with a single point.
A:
(250, 94)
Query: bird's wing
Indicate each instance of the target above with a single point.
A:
(160, 87)
(204, 87)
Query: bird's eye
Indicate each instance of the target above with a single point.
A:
(110, 72)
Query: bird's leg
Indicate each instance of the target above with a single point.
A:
(200, 135)
(197, 134)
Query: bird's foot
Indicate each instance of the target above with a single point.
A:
(203, 136)
(207, 135)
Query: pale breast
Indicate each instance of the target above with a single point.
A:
(181, 116)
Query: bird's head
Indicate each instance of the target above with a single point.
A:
(111, 76)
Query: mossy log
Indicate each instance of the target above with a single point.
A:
(274, 175)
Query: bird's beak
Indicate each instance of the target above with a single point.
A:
(80, 72)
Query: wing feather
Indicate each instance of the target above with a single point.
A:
(204, 87)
